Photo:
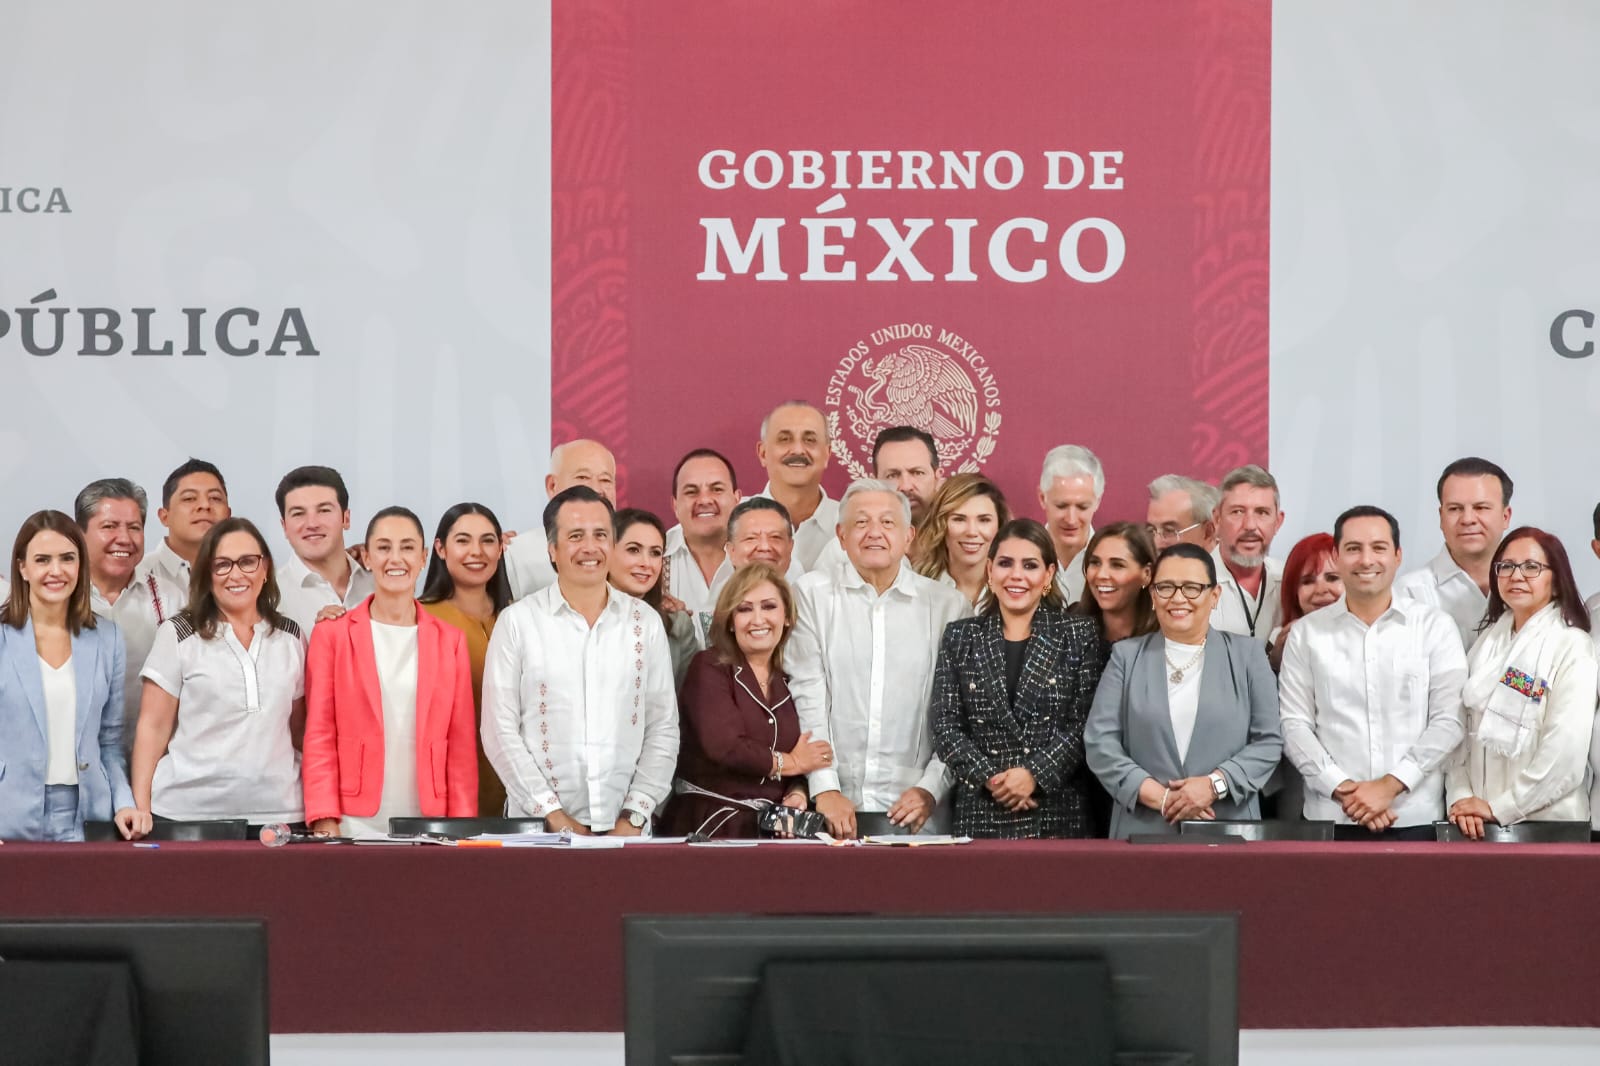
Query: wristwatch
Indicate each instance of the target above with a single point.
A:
(1219, 784)
(636, 819)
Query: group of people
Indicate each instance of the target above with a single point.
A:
(914, 654)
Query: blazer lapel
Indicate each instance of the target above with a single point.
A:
(366, 658)
(991, 663)
(428, 654)
(23, 652)
(1216, 699)
(1154, 695)
(85, 664)
(1044, 648)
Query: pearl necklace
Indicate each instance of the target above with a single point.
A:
(1176, 677)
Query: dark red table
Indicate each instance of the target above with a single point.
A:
(430, 939)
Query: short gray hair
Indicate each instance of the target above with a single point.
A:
(1253, 475)
(95, 493)
(795, 403)
(1072, 460)
(1203, 498)
(862, 486)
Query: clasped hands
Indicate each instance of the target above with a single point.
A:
(1470, 814)
(1370, 803)
(1184, 799)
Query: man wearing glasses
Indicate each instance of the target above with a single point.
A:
(1182, 510)
(1370, 694)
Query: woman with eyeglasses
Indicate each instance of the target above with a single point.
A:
(224, 700)
(1185, 721)
(1529, 696)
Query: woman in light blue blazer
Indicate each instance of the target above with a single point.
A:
(61, 676)
(1185, 721)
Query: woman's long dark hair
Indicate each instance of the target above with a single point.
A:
(1034, 533)
(621, 521)
(1143, 551)
(1564, 588)
(438, 586)
(203, 613)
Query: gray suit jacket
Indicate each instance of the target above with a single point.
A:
(1129, 733)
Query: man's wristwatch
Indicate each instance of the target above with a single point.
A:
(1219, 784)
(636, 819)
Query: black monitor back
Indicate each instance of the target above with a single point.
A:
(692, 981)
(202, 985)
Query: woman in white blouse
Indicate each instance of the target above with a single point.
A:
(223, 704)
(390, 725)
(60, 693)
(1530, 695)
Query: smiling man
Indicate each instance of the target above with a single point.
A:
(111, 512)
(861, 667)
(1370, 694)
(794, 449)
(577, 462)
(315, 508)
(1248, 517)
(580, 720)
(705, 491)
(193, 499)
(1474, 513)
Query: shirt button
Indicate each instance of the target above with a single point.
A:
(972, 686)
(1052, 680)
(83, 766)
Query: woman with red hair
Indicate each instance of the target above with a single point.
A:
(1310, 582)
(1530, 694)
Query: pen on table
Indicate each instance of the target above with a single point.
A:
(150, 846)
(478, 844)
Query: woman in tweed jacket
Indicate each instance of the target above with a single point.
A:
(1011, 692)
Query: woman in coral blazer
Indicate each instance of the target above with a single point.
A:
(389, 718)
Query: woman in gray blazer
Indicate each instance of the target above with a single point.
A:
(60, 693)
(1185, 722)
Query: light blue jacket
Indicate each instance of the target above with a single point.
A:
(97, 661)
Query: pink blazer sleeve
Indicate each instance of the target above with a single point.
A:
(319, 765)
(461, 763)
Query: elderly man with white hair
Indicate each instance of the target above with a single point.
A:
(1071, 486)
(577, 462)
(1181, 510)
(861, 665)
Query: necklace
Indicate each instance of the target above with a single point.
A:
(1176, 677)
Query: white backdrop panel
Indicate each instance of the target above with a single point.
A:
(1435, 196)
(383, 165)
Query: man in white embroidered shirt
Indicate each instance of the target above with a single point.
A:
(794, 449)
(193, 499)
(1370, 694)
(321, 579)
(1474, 514)
(861, 667)
(577, 462)
(1071, 486)
(111, 512)
(1248, 516)
(579, 716)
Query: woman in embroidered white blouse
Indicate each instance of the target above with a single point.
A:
(1530, 695)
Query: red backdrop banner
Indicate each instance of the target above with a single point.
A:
(1015, 225)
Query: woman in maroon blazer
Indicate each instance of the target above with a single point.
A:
(741, 738)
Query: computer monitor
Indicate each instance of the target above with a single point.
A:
(692, 981)
(201, 985)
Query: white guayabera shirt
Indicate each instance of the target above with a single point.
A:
(1361, 701)
(578, 718)
(1445, 585)
(816, 532)
(135, 617)
(861, 672)
(302, 592)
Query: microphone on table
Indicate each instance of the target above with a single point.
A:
(276, 835)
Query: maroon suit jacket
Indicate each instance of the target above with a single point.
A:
(728, 733)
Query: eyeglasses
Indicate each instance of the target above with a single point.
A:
(1530, 569)
(1170, 532)
(1192, 590)
(247, 564)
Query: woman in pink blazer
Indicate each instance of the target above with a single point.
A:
(389, 719)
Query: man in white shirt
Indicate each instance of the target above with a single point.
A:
(861, 665)
(1182, 510)
(758, 531)
(193, 499)
(1248, 516)
(1071, 486)
(705, 491)
(1474, 513)
(577, 462)
(794, 450)
(111, 512)
(1370, 694)
(579, 717)
(320, 579)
